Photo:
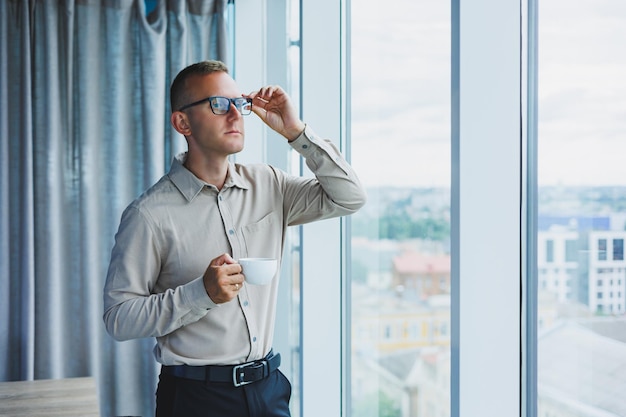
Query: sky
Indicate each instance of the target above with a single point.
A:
(401, 92)
(582, 92)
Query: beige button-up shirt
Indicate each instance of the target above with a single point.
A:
(168, 236)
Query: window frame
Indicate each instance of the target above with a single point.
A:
(490, 111)
(496, 59)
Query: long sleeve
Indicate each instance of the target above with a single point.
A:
(335, 190)
(131, 308)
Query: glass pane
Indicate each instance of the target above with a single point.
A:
(582, 201)
(400, 241)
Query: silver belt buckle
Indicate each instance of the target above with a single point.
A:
(237, 376)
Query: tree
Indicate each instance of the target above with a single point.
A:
(376, 406)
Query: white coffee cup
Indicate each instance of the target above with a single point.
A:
(258, 271)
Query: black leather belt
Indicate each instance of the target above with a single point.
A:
(238, 375)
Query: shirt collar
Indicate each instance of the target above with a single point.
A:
(190, 186)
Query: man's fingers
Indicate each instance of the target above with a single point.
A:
(223, 259)
(265, 94)
(223, 282)
(229, 275)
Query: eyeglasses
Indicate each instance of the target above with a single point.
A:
(221, 105)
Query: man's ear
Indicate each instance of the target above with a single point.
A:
(180, 123)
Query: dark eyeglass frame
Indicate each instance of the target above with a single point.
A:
(233, 101)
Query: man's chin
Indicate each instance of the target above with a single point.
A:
(237, 149)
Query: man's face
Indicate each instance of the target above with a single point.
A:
(214, 135)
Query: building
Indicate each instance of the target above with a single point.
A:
(606, 272)
(421, 274)
(558, 258)
(385, 323)
(583, 266)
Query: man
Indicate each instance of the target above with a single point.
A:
(173, 273)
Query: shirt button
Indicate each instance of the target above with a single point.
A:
(254, 339)
(305, 146)
(231, 232)
(245, 304)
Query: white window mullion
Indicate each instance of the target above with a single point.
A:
(321, 241)
(486, 208)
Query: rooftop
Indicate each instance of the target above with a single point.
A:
(581, 367)
(420, 263)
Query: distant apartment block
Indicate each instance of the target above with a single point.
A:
(558, 259)
(585, 266)
(607, 272)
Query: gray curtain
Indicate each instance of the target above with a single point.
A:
(84, 129)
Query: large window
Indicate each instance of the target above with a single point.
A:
(582, 198)
(400, 242)
(412, 306)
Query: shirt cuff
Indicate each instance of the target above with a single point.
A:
(196, 296)
(306, 143)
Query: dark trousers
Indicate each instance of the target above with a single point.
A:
(180, 397)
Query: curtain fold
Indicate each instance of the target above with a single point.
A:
(84, 129)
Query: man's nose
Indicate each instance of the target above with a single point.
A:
(233, 111)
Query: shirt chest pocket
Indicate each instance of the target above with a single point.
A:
(263, 238)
